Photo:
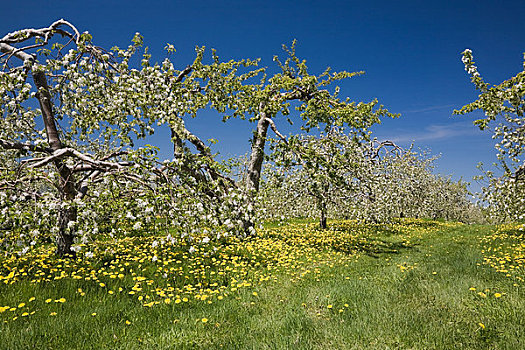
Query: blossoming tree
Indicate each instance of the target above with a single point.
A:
(504, 104)
(318, 107)
(69, 161)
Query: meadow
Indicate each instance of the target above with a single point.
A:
(414, 284)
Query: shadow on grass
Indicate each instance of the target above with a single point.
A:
(376, 247)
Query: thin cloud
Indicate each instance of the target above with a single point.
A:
(436, 132)
(428, 109)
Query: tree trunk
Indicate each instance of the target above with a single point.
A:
(257, 155)
(64, 238)
(322, 220)
(177, 143)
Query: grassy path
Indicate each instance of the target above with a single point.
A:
(425, 291)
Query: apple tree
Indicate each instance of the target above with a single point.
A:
(504, 105)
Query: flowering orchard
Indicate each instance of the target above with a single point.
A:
(347, 176)
(504, 104)
(73, 114)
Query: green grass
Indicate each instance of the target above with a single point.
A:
(408, 290)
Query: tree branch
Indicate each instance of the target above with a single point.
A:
(274, 128)
(23, 146)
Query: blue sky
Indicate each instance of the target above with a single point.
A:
(410, 51)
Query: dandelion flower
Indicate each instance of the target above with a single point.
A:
(204, 320)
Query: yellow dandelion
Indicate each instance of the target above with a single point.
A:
(94, 314)
(128, 322)
(497, 295)
(329, 306)
(204, 320)
(21, 305)
(53, 314)
(481, 325)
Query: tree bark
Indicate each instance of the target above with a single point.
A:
(65, 236)
(177, 143)
(257, 154)
(322, 220)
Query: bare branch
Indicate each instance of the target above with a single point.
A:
(274, 128)
(183, 73)
(65, 152)
(13, 51)
(25, 34)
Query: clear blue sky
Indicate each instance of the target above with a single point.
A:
(410, 51)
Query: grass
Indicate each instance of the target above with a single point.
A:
(415, 285)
